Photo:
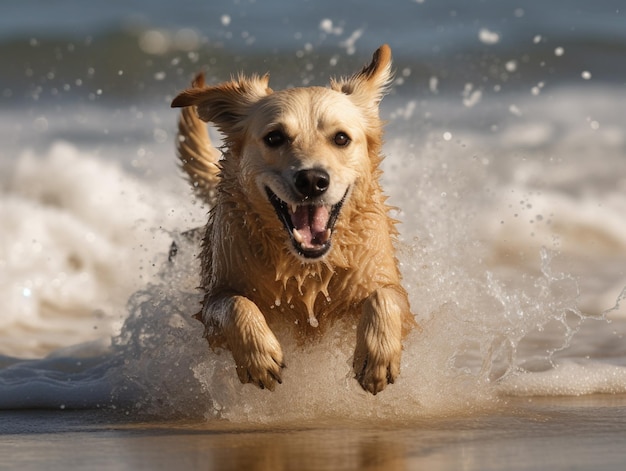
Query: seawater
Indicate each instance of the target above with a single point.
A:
(511, 193)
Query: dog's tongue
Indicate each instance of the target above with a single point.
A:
(310, 224)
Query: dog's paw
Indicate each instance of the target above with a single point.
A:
(379, 340)
(261, 365)
(376, 368)
(257, 353)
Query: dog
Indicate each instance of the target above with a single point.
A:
(299, 233)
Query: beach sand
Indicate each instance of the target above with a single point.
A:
(540, 433)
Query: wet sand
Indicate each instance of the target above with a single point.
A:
(539, 433)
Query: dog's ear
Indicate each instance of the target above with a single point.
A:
(226, 105)
(368, 86)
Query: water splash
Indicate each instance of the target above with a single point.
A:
(465, 346)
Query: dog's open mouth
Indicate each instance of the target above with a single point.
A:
(310, 226)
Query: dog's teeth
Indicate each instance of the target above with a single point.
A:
(294, 208)
(297, 236)
(326, 235)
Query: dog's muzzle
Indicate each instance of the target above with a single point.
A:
(310, 226)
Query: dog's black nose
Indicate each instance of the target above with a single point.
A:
(312, 182)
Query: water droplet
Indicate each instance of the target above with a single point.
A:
(488, 37)
(511, 66)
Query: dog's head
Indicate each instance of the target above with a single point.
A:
(300, 151)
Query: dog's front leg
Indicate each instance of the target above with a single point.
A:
(257, 353)
(379, 339)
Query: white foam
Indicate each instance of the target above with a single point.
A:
(568, 378)
(78, 237)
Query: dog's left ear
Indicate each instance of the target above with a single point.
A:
(367, 87)
(226, 105)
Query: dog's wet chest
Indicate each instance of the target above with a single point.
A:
(311, 301)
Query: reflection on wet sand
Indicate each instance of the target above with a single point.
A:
(306, 450)
(557, 433)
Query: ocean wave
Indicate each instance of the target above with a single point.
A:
(498, 308)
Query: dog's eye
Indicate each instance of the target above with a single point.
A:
(275, 139)
(341, 139)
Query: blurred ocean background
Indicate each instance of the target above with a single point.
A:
(505, 154)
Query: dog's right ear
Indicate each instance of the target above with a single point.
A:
(367, 87)
(226, 105)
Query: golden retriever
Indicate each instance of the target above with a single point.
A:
(299, 233)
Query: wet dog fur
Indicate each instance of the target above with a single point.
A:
(298, 233)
